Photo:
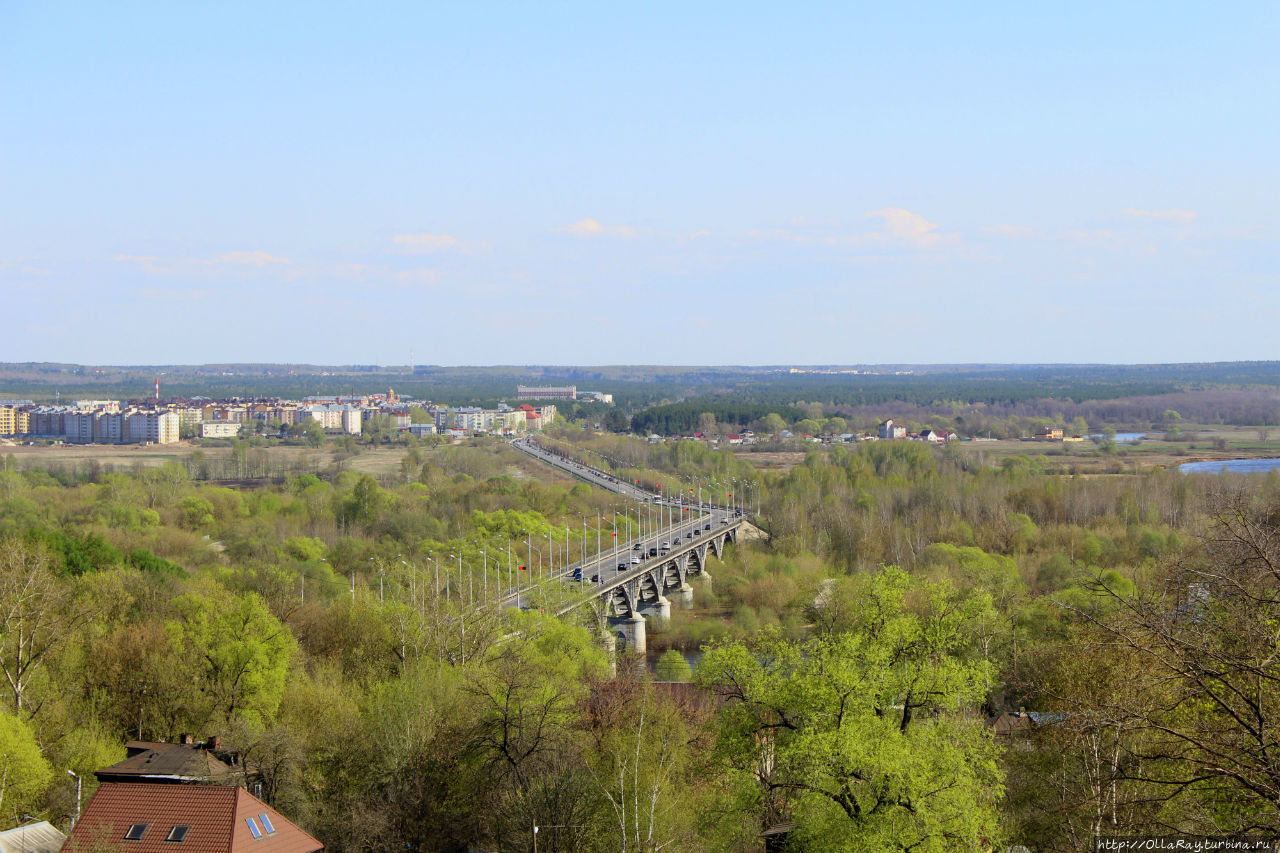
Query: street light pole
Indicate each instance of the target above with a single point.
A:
(76, 776)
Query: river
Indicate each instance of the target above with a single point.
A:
(1234, 466)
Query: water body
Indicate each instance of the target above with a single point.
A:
(1122, 437)
(1234, 466)
(691, 658)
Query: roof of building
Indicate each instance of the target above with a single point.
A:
(166, 762)
(218, 819)
(38, 837)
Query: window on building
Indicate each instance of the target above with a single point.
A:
(266, 823)
(178, 833)
(253, 827)
(135, 832)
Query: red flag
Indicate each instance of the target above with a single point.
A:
(522, 568)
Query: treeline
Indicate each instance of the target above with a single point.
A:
(685, 418)
(636, 388)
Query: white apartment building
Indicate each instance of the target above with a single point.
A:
(546, 392)
(152, 427)
(333, 417)
(219, 429)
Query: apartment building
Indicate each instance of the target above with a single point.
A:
(333, 417)
(546, 392)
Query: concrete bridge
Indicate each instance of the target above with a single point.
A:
(628, 584)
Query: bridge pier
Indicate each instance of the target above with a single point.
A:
(660, 609)
(686, 595)
(631, 631)
(609, 643)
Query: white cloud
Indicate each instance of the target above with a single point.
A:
(907, 227)
(595, 228)
(196, 266)
(426, 242)
(1180, 216)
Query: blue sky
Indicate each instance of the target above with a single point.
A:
(707, 183)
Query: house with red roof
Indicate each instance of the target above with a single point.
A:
(141, 817)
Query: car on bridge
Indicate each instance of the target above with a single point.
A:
(622, 567)
(653, 552)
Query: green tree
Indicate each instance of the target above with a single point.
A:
(24, 772)
(771, 424)
(867, 738)
(615, 421)
(235, 651)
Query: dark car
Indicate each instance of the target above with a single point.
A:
(707, 526)
(697, 532)
(595, 579)
(622, 567)
(653, 552)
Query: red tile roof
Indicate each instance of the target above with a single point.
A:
(217, 816)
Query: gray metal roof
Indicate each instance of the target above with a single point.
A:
(40, 837)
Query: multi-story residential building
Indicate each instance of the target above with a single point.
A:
(472, 418)
(333, 417)
(890, 430)
(98, 405)
(77, 426)
(151, 427)
(109, 427)
(219, 429)
(48, 421)
(546, 392)
(14, 417)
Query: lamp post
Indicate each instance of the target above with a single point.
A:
(76, 776)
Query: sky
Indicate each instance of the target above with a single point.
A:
(649, 183)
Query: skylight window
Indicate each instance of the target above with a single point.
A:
(135, 832)
(253, 827)
(266, 823)
(178, 833)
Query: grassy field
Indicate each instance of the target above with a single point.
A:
(1203, 443)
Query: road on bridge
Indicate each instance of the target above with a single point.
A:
(679, 529)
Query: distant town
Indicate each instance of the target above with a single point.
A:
(158, 421)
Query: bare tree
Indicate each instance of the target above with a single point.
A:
(1205, 719)
(38, 612)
